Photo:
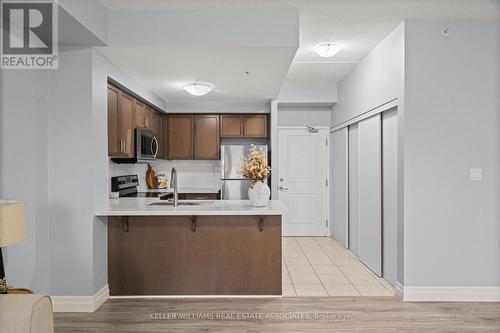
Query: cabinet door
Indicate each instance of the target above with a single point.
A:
(180, 137)
(231, 126)
(148, 118)
(255, 126)
(126, 125)
(156, 129)
(113, 140)
(206, 137)
(164, 137)
(139, 114)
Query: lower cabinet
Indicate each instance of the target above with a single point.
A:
(198, 196)
(194, 255)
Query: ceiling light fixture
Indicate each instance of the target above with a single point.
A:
(327, 49)
(198, 88)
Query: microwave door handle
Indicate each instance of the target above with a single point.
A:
(154, 151)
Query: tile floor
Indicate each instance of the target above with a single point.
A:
(319, 266)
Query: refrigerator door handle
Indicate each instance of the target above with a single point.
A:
(223, 190)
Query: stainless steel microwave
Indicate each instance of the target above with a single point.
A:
(146, 145)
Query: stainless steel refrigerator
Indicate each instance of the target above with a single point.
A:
(235, 187)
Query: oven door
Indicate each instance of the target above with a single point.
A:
(146, 145)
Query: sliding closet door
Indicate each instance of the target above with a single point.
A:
(353, 189)
(339, 186)
(370, 193)
(390, 194)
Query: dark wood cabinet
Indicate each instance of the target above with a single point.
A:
(198, 196)
(114, 143)
(126, 124)
(231, 125)
(180, 137)
(194, 255)
(244, 126)
(164, 137)
(206, 137)
(142, 115)
(255, 126)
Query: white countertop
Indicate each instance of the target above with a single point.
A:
(140, 207)
(187, 190)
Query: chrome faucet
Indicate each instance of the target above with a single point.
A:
(173, 184)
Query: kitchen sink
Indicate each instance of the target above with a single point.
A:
(181, 203)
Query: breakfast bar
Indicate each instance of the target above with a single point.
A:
(199, 248)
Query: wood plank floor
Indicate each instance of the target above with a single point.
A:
(339, 314)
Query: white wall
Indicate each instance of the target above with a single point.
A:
(23, 173)
(302, 115)
(452, 227)
(307, 91)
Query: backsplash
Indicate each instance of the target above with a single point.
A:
(198, 174)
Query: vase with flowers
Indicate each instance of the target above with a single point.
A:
(254, 167)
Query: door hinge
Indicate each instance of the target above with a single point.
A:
(326, 182)
(326, 223)
(326, 142)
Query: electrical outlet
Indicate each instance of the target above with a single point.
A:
(476, 174)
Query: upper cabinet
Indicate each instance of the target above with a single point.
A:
(193, 137)
(142, 115)
(243, 126)
(255, 126)
(231, 125)
(120, 123)
(206, 137)
(180, 137)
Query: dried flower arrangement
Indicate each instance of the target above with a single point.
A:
(254, 167)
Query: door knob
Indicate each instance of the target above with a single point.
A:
(283, 188)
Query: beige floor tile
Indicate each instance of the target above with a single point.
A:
(285, 279)
(310, 290)
(288, 290)
(373, 290)
(329, 278)
(301, 269)
(341, 290)
(297, 262)
(326, 269)
(364, 278)
(354, 268)
(320, 261)
(305, 278)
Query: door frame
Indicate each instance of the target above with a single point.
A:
(326, 189)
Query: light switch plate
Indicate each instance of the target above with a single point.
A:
(475, 174)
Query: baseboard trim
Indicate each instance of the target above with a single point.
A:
(399, 289)
(452, 294)
(80, 303)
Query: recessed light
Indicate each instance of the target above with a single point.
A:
(327, 49)
(198, 88)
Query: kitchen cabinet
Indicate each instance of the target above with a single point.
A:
(198, 196)
(120, 123)
(180, 137)
(142, 115)
(113, 140)
(164, 137)
(244, 126)
(194, 255)
(255, 126)
(231, 125)
(206, 137)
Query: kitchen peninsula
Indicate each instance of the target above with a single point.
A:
(224, 247)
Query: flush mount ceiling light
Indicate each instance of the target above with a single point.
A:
(327, 49)
(198, 88)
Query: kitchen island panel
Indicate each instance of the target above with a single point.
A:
(200, 255)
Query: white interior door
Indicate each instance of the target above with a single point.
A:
(302, 180)
(370, 193)
(339, 186)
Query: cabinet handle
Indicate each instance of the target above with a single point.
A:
(261, 223)
(193, 223)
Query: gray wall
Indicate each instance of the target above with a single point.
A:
(23, 172)
(302, 115)
(452, 123)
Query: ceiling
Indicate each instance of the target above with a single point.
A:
(356, 25)
(166, 70)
